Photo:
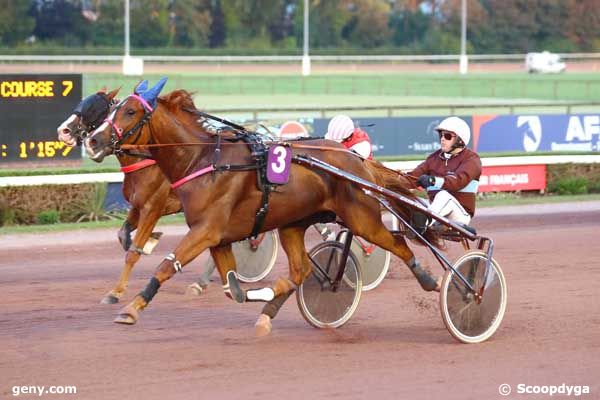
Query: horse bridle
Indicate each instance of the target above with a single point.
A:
(116, 133)
(83, 129)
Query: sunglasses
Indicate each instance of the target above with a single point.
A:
(447, 135)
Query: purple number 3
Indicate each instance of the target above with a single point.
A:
(279, 166)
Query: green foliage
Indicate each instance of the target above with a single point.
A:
(370, 21)
(594, 185)
(151, 21)
(15, 24)
(47, 217)
(190, 23)
(24, 203)
(431, 26)
(571, 185)
(7, 215)
(91, 207)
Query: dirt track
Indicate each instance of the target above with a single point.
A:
(54, 332)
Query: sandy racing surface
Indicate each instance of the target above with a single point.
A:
(54, 332)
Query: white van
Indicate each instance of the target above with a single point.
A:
(544, 62)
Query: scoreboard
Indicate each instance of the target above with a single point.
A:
(31, 108)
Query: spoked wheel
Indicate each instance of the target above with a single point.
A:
(255, 262)
(470, 320)
(322, 305)
(374, 261)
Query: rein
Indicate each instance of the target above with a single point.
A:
(288, 144)
(138, 165)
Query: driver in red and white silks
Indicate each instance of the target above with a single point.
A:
(341, 129)
(451, 174)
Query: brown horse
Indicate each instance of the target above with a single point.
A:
(144, 186)
(220, 207)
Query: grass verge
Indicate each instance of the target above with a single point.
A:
(496, 200)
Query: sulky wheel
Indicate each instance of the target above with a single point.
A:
(254, 260)
(469, 319)
(374, 261)
(320, 303)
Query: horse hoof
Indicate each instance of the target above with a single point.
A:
(195, 289)
(263, 325)
(109, 299)
(438, 284)
(127, 316)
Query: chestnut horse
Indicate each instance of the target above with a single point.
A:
(144, 186)
(220, 201)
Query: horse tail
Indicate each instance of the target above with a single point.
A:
(399, 183)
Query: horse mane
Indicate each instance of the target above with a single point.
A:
(179, 99)
(181, 102)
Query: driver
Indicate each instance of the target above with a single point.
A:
(451, 174)
(341, 129)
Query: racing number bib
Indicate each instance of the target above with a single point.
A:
(278, 164)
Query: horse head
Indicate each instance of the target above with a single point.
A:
(124, 124)
(86, 116)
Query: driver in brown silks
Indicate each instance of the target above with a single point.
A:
(451, 174)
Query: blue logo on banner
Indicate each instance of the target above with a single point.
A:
(532, 133)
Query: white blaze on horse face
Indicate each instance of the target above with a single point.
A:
(98, 130)
(104, 124)
(64, 132)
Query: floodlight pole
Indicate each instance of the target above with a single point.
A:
(126, 28)
(464, 61)
(305, 57)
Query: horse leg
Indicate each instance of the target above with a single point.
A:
(195, 242)
(148, 217)
(130, 224)
(198, 287)
(376, 232)
(225, 262)
(292, 241)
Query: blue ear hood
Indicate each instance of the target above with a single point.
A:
(151, 94)
(141, 87)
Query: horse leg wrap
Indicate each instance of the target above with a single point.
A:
(264, 294)
(427, 282)
(151, 242)
(176, 263)
(150, 290)
(124, 235)
(272, 307)
(232, 288)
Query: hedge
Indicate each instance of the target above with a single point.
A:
(71, 203)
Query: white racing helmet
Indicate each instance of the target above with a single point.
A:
(458, 126)
(340, 128)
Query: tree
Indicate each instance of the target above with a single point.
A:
(327, 19)
(107, 30)
(59, 20)
(583, 24)
(190, 23)
(15, 23)
(149, 23)
(369, 23)
(218, 31)
(409, 26)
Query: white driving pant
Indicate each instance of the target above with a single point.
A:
(447, 206)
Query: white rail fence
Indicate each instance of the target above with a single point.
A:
(398, 165)
(287, 58)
